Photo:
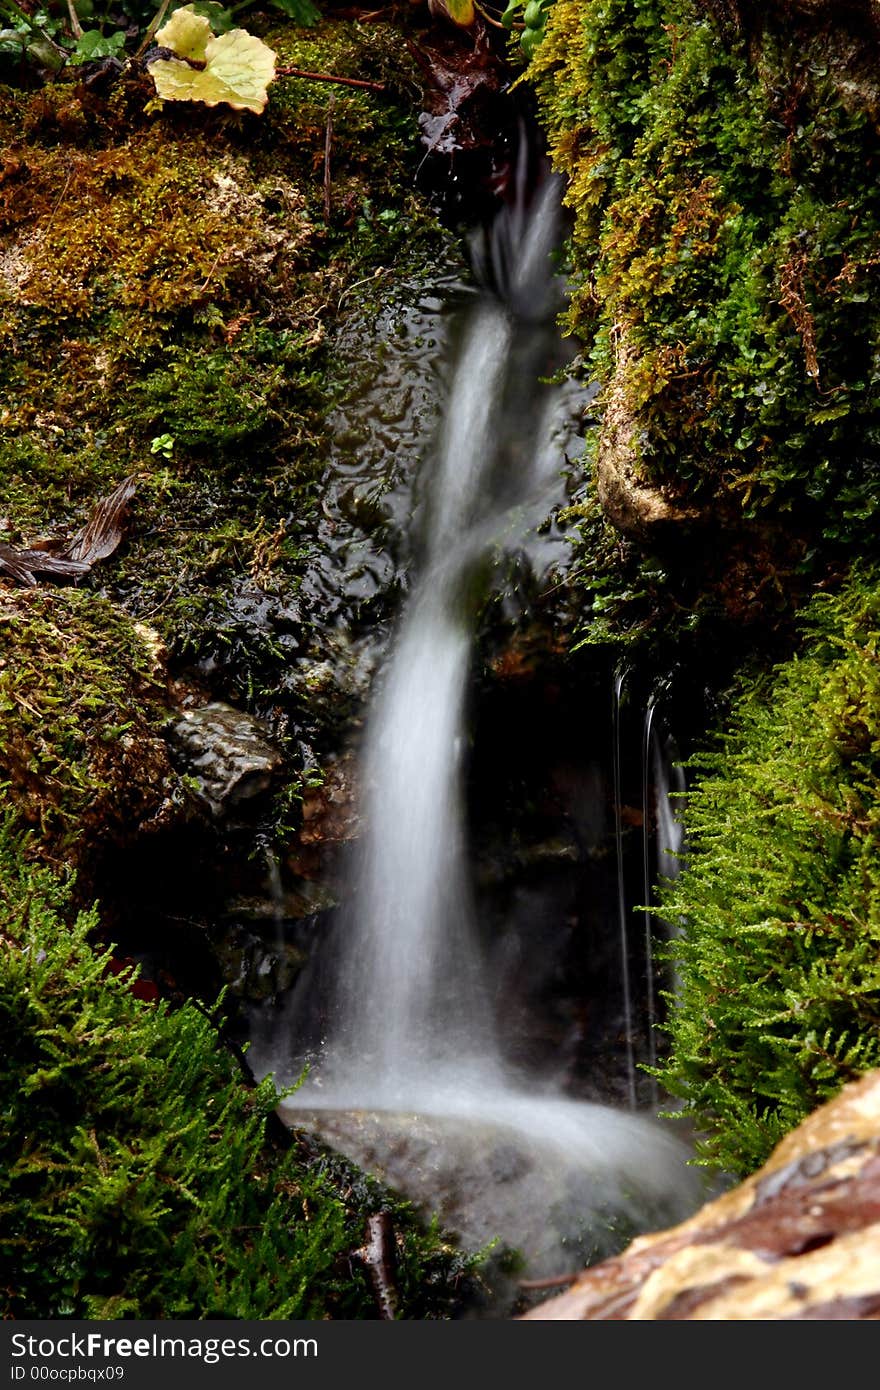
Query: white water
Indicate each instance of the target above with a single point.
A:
(412, 1024)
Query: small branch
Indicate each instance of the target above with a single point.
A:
(328, 145)
(556, 1281)
(496, 23)
(377, 1257)
(329, 77)
(377, 274)
(153, 26)
(76, 27)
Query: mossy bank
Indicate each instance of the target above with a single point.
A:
(138, 1176)
(169, 282)
(723, 178)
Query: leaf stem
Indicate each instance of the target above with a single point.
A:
(329, 77)
(153, 26)
(75, 27)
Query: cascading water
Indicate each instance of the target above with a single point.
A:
(412, 996)
(670, 786)
(661, 831)
(411, 1045)
(622, 907)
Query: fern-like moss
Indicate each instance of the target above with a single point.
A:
(136, 1178)
(779, 961)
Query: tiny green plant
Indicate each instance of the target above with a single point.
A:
(529, 19)
(162, 444)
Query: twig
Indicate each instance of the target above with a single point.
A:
(153, 26)
(61, 197)
(207, 280)
(555, 1281)
(377, 1257)
(329, 77)
(496, 23)
(328, 144)
(76, 27)
(380, 271)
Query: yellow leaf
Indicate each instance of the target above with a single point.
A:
(461, 12)
(187, 34)
(239, 68)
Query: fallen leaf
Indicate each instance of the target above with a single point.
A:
(24, 565)
(105, 527)
(235, 68)
(70, 560)
(462, 83)
(187, 34)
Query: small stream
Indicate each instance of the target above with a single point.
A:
(412, 1071)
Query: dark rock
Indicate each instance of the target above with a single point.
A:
(227, 754)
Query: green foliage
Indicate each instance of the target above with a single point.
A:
(92, 44)
(529, 19)
(300, 11)
(727, 212)
(48, 39)
(136, 1179)
(779, 962)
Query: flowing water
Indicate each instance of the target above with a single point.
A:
(409, 1077)
(622, 906)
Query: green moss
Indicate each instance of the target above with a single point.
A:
(82, 707)
(779, 1002)
(175, 273)
(136, 1175)
(727, 210)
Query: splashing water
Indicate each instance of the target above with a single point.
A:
(411, 1031)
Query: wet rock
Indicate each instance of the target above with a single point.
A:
(256, 968)
(304, 900)
(330, 812)
(227, 754)
(554, 1198)
(800, 1239)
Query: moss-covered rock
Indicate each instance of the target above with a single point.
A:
(723, 179)
(170, 282)
(83, 698)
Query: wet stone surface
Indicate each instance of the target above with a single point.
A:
(489, 1179)
(798, 1240)
(227, 754)
(392, 354)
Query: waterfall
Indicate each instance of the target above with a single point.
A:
(413, 993)
(670, 786)
(622, 906)
(648, 746)
(411, 1026)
